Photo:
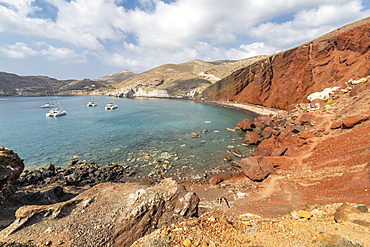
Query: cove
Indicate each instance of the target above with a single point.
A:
(151, 135)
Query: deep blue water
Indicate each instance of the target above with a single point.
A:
(140, 132)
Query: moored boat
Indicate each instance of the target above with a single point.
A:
(92, 103)
(47, 105)
(110, 106)
(56, 113)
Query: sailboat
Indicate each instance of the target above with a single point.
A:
(92, 103)
(1, 97)
(56, 112)
(47, 104)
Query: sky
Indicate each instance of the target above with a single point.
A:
(77, 39)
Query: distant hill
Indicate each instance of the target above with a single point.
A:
(179, 80)
(12, 84)
(117, 77)
(169, 80)
(15, 85)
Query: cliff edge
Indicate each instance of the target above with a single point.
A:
(288, 77)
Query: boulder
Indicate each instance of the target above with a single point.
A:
(251, 138)
(353, 120)
(264, 119)
(267, 133)
(245, 125)
(11, 166)
(256, 168)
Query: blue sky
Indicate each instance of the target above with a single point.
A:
(76, 39)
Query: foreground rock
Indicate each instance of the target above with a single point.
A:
(11, 166)
(108, 214)
(251, 230)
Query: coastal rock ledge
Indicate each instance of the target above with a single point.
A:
(11, 166)
(109, 214)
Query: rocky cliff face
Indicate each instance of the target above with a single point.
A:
(289, 77)
(11, 166)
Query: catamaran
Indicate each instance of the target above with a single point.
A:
(110, 106)
(56, 112)
(92, 103)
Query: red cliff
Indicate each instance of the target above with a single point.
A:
(288, 77)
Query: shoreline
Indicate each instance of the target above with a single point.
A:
(250, 109)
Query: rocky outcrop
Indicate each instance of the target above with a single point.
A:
(81, 174)
(351, 121)
(256, 168)
(289, 77)
(107, 214)
(11, 166)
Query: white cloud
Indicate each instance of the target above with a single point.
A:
(17, 50)
(307, 24)
(23, 50)
(157, 32)
(63, 54)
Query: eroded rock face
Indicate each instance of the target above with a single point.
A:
(108, 213)
(11, 166)
(289, 77)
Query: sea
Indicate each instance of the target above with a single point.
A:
(151, 135)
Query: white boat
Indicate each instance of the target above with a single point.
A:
(56, 113)
(47, 105)
(92, 103)
(2, 97)
(110, 106)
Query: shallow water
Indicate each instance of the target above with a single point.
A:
(150, 134)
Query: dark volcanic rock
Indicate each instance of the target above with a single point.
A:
(11, 166)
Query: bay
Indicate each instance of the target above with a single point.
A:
(149, 134)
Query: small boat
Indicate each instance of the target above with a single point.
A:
(92, 103)
(110, 106)
(2, 97)
(47, 105)
(56, 113)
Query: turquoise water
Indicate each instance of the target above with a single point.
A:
(150, 134)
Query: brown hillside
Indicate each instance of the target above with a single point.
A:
(181, 79)
(289, 77)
